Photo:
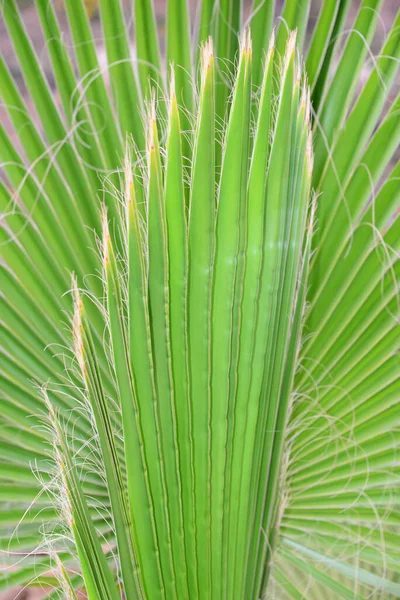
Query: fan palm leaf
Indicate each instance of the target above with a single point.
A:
(199, 368)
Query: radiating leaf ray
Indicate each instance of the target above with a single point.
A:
(229, 235)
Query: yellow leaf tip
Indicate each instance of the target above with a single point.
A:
(152, 125)
(245, 43)
(290, 48)
(271, 47)
(129, 188)
(77, 326)
(291, 43)
(207, 56)
(172, 90)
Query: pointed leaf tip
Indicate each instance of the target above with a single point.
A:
(272, 40)
(172, 90)
(152, 124)
(206, 57)
(77, 326)
(128, 175)
(290, 47)
(245, 42)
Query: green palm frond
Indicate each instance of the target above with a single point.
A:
(222, 420)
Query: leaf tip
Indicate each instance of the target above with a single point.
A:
(152, 123)
(290, 48)
(207, 57)
(271, 45)
(77, 326)
(172, 88)
(245, 42)
(105, 237)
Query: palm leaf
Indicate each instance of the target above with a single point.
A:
(225, 411)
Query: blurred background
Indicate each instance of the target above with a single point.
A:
(31, 20)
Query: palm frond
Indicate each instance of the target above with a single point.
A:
(224, 413)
